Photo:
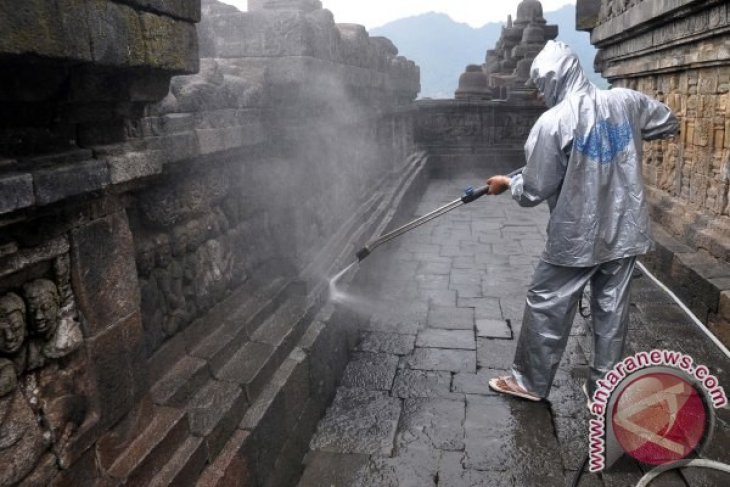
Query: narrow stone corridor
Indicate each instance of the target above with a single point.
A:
(445, 303)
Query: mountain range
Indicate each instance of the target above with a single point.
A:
(443, 47)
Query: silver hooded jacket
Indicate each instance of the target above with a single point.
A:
(584, 156)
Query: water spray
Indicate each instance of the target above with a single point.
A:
(470, 194)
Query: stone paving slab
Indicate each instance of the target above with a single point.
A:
(431, 295)
(371, 371)
(422, 383)
(358, 421)
(490, 328)
(442, 359)
(435, 338)
(450, 317)
(432, 423)
(393, 343)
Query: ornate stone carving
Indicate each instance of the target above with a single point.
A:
(13, 328)
(614, 8)
(41, 325)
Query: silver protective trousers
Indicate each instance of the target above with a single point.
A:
(552, 301)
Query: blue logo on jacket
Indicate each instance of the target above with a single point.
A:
(605, 141)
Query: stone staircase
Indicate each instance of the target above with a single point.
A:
(252, 378)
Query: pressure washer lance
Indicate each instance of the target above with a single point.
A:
(470, 194)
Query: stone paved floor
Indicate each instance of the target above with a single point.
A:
(413, 407)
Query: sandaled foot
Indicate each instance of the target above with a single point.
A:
(507, 385)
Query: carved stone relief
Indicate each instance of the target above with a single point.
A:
(41, 403)
(38, 323)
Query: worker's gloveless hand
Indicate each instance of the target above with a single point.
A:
(498, 184)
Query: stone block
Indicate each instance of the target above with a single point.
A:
(214, 413)
(724, 307)
(442, 359)
(116, 34)
(436, 338)
(182, 380)
(57, 30)
(251, 367)
(487, 328)
(324, 468)
(23, 442)
(186, 463)
(256, 33)
(114, 381)
(432, 423)
(422, 383)
(371, 371)
(16, 192)
(134, 165)
(151, 450)
(358, 421)
(495, 354)
(393, 343)
(180, 9)
(57, 183)
(104, 272)
(234, 464)
(171, 45)
(587, 14)
(452, 318)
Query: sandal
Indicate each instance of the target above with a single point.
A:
(508, 385)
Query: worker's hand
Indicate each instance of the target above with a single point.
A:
(498, 184)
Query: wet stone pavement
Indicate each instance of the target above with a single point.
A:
(445, 304)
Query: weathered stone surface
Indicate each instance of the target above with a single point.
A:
(183, 9)
(413, 467)
(478, 383)
(451, 318)
(442, 359)
(323, 468)
(371, 371)
(104, 274)
(495, 354)
(452, 472)
(151, 450)
(498, 438)
(358, 421)
(392, 343)
(436, 338)
(422, 383)
(215, 411)
(16, 192)
(489, 328)
(23, 442)
(58, 183)
(64, 33)
(235, 463)
(433, 423)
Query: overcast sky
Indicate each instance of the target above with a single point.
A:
(374, 13)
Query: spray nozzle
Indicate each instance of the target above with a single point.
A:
(362, 253)
(471, 194)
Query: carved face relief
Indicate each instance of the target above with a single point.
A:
(43, 304)
(12, 323)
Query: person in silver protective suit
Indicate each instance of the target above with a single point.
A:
(584, 157)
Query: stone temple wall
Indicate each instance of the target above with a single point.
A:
(170, 203)
(677, 51)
